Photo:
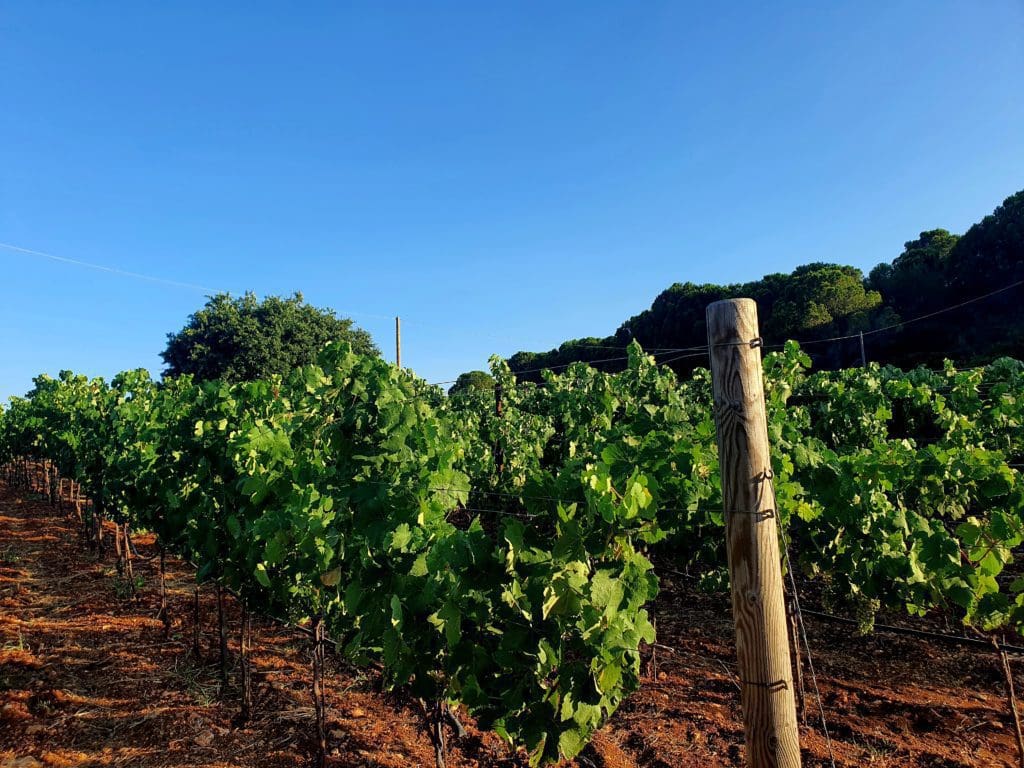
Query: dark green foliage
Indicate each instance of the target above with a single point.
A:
(815, 301)
(940, 270)
(991, 253)
(471, 381)
(916, 279)
(242, 339)
(819, 301)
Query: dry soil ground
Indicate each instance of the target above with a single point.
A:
(88, 679)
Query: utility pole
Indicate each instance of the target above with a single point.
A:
(398, 341)
(751, 531)
(863, 357)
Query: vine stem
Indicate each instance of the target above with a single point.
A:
(437, 734)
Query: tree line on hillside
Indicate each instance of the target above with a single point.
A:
(819, 301)
(242, 338)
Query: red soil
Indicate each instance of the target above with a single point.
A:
(87, 679)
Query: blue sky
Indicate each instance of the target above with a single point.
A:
(503, 175)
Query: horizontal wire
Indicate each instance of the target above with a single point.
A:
(569, 346)
(518, 496)
(888, 628)
(586, 362)
(806, 342)
(923, 633)
(928, 634)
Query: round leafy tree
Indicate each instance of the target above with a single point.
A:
(472, 380)
(242, 339)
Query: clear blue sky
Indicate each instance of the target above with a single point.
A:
(503, 175)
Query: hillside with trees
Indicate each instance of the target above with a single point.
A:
(817, 302)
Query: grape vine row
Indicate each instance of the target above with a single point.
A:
(501, 558)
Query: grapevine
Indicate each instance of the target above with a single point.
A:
(495, 551)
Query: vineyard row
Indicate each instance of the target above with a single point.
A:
(493, 551)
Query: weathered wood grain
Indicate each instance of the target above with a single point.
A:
(762, 644)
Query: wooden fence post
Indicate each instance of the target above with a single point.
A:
(751, 530)
(499, 448)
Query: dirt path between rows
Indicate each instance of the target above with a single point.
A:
(87, 678)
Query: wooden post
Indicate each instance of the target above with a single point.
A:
(1013, 702)
(118, 548)
(164, 614)
(196, 649)
(223, 638)
(751, 530)
(245, 665)
(319, 705)
(863, 357)
(499, 449)
(398, 342)
(129, 568)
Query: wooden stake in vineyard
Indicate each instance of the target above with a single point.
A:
(319, 705)
(751, 530)
(245, 663)
(222, 637)
(499, 449)
(1013, 700)
(164, 614)
(196, 645)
